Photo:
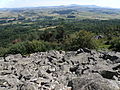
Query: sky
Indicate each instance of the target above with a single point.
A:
(36, 3)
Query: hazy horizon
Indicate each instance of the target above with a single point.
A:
(37, 3)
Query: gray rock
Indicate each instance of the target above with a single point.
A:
(53, 70)
(92, 82)
(13, 58)
(108, 74)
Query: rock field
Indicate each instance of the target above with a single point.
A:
(59, 70)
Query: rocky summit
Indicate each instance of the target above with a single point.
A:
(59, 70)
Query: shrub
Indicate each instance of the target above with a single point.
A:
(115, 44)
(81, 39)
(31, 47)
(2, 51)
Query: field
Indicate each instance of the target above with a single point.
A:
(72, 11)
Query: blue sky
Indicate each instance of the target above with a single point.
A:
(35, 3)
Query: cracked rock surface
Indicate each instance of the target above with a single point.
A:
(59, 70)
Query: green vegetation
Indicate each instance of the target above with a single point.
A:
(115, 44)
(59, 34)
(81, 39)
(32, 30)
(31, 47)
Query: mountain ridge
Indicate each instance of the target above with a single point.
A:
(70, 5)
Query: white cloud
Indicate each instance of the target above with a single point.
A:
(4, 3)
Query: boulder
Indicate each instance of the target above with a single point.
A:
(108, 74)
(84, 69)
(92, 82)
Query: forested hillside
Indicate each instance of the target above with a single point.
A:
(29, 30)
(62, 34)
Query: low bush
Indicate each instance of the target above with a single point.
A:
(115, 44)
(81, 39)
(31, 47)
(2, 51)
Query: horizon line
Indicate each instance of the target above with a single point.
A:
(59, 6)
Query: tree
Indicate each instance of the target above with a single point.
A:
(81, 39)
(115, 44)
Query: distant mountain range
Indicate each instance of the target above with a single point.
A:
(77, 5)
(71, 5)
(93, 6)
(63, 11)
